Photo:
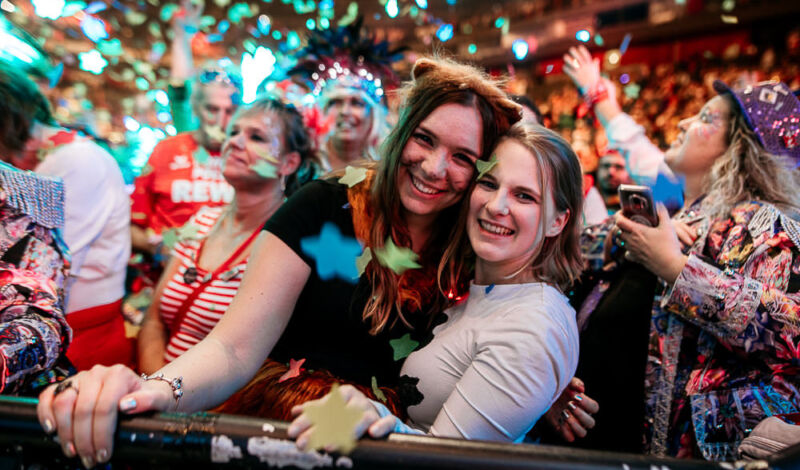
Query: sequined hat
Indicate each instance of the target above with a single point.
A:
(773, 112)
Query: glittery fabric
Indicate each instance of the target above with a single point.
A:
(33, 266)
(738, 307)
(773, 113)
(724, 347)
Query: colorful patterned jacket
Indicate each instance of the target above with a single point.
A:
(725, 338)
(33, 265)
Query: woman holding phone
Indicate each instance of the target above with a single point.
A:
(725, 320)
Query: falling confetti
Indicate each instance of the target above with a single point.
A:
(334, 253)
(265, 170)
(353, 176)
(333, 423)
(295, 367)
(485, 166)
(398, 259)
(363, 260)
(403, 346)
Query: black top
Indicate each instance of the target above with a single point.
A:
(326, 327)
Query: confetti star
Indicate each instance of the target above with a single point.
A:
(332, 423)
(403, 346)
(215, 132)
(169, 238)
(265, 170)
(267, 155)
(201, 155)
(485, 167)
(377, 391)
(398, 259)
(334, 253)
(353, 176)
(632, 90)
(188, 232)
(294, 370)
(363, 260)
(92, 61)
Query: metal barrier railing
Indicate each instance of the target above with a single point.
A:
(205, 439)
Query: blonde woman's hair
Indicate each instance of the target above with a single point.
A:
(558, 260)
(747, 171)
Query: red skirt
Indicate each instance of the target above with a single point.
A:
(98, 337)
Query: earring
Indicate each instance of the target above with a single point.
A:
(283, 183)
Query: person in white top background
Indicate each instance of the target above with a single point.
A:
(505, 354)
(97, 218)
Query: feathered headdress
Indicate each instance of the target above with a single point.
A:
(350, 56)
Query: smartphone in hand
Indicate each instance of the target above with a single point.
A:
(637, 204)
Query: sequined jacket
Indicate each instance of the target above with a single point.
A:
(725, 338)
(33, 265)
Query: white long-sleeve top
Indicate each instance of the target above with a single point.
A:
(97, 222)
(497, 364)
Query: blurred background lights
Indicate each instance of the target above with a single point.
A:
(255, 68)
(445, 32)
(624, 78)
(94, 28)
(583, 35)
(520, 49)
(472, 48)
(92, 61)
(50, 9)
(311, 24)
(131, 124)
(391, 8)
(499, 22)
(422, 3)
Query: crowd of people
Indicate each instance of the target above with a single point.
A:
(458, 274)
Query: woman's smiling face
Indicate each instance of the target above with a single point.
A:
(438, 160)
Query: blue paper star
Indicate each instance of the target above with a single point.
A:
(334, 253)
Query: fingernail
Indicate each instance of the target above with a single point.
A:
(48, 426)
(578, 397)
(564, 414)
(127, 404)
(102, 455)
(69, 449)
(572, 406)
(87, 462)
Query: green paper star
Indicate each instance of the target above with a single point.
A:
(215, 132)
(110, 48)
(632, 90)
(169, 238)
(188, 232)
(201, 155)
(267, 155)
(363, 260)
(378, 392)
(398, 259)
(485, 167)
(403, 346)
(353, 176)
(265, 170)
(135, 18)
(332, 423)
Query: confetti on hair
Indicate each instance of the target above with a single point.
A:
(377, 391)
(398, 259)
(485, 166)
(363, 260)
(353, 176)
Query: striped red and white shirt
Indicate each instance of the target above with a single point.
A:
(213, 299)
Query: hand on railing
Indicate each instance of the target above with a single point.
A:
(83, 409)
(571, 414)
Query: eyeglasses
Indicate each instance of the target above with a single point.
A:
(206, 76)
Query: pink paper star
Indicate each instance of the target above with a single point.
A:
(294, 370)
(62, 137)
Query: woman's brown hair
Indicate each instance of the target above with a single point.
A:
(558, 260)
(435, 82)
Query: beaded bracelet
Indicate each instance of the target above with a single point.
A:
(175, 384)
